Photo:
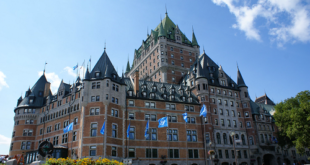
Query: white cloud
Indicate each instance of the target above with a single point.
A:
(5, 140)
(2, 81)
(290, 19)
(73, 73)
(53, 79)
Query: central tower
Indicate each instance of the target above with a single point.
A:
(166, 55)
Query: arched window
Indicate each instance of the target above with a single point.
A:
(218, 137)
(225, 138)
(264, 127)
(260, 127)
(237, 138)
(243, 140)
(251, 140)
(230, 139)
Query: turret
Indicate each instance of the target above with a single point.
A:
(244, 94)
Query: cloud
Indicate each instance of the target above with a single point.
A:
(286, 20)
(2, 81)
(73, 73)
(53, 79)
(5, 140)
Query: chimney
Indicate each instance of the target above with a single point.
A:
(136, 81)
(47, 89)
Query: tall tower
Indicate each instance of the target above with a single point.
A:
(166, 55)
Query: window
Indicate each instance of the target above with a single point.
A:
(243, 140)
(239, 114)
(130, 93)
(75, 121)
(216, 122)
(251, 140)
(173, 153)
(172, 119)
(222, 122)
(74, 136)
(131, 116)
(92, 150)
(207, 138)
(107, 96)
(220, 154)
(191, 135)
(232, 154)
(94, 111)
(248, 124)
(221, 112)
(239, 154)
(131, 152)
(93, 131)
(246, 114)
(55, 140)
(228, 123)
(262, 138)
(219, 101)
(193, 153)
(182, 64)
(240, 124)
(226, 154)
(219, 91)
(114, 112)
(172, 135)
(152, 132)
(132, 133)
(151, 153)
(114, 130)
(93, 99)
(65, 138)
(218, 138)
(131, 103)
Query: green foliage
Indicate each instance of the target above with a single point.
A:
(293, 118)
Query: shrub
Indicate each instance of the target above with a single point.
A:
(84, 161)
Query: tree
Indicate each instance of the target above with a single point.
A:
(293, 120)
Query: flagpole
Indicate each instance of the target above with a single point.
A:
(204, 141)
(71, 141)
(129, 137)
(150, 136)
(103, 139)
(186, 142)
(167, 136)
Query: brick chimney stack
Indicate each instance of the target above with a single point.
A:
(47, 89)
(136, 82)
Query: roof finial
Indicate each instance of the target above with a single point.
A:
(166, 9)
(237, 65)
(147, 31)
(105, 46)
(203, 47)
(44, 67)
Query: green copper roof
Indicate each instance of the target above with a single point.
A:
(169, 28)
(194, 40)
(162, 32)
(128, 67)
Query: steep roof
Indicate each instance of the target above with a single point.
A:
(105, 68)
(36, 93)
(194, 40)
(128, 67)
(240, 80)
(264, 100)
(159, 91)
(255, 108)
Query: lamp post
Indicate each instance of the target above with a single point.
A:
(232, 134)
(210, 143)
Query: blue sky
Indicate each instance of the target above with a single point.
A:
(269, 39)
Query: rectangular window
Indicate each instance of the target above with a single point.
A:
(74, 136)
(114, 130)
(131, 116)
(193, 153)
(92, 150)
(97, 98)
(172, 135)
(114, 151)
(226, 154)
(220, 154)
(64, 138)
(245, 154)
(191, 135)
(131, 103)
(131, 152)
(173, 153)
(150, 153)
(132, 133)
(93, 131)
(93, 99)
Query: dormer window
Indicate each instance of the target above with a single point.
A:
(114, 76)
(177, 32)
(144, 94)
(183, 98)
(222, 75)
(152, 95)
(154, 88)
(172, 97)
(97, 74)
(172, 90)
(30, 101)
(212, 81)
(165, 96)
(130, 93)
(40, 93)
(144, 86)
(232, 85)
(190, 99)
(181, 92)
(211, 75)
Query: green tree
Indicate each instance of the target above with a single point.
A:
(293, 119)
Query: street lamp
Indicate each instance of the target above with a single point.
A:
(210, 143)
(232, 134)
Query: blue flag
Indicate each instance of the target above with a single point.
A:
(163, 122)
(185, 117)
(146, 128)
(69, 128)
(128, 130)
(102, 129)
(274, 139)
(74, 67)
(203, 111)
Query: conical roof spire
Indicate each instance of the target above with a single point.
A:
(162, 32)
(128, 66)
(87, 74)
(240, 80)
(199, 70)
(194, 40)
